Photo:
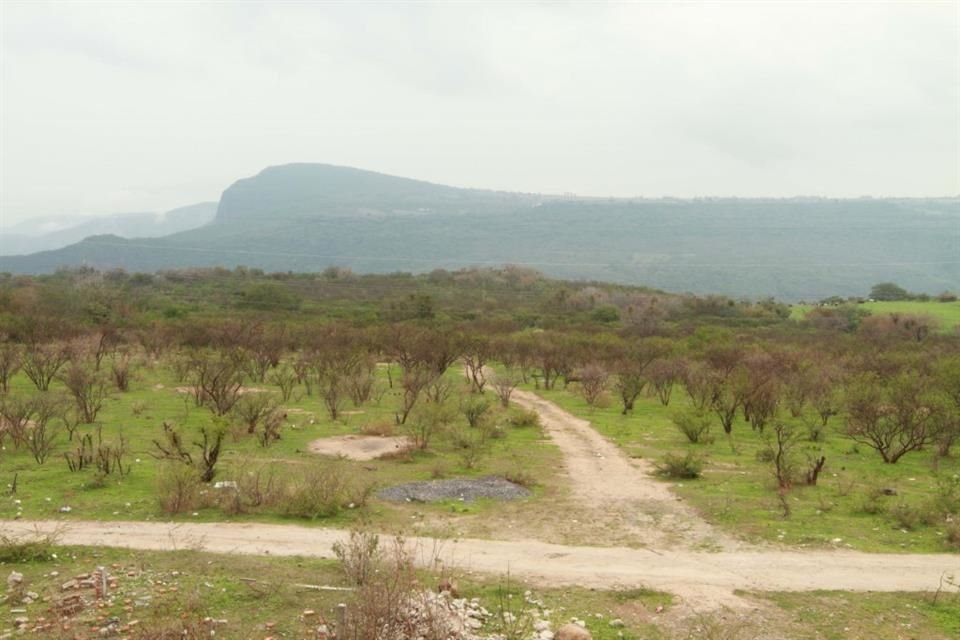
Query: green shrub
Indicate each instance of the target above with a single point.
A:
(21, 550)
(524, 418)
(695, 425)
(688, 466)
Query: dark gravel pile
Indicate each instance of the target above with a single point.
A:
(466, 489)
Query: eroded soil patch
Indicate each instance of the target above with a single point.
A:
(358, 447)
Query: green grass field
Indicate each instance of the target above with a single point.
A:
(43, 490)
(737, 491)
(947, 313)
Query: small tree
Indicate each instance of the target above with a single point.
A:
(171, 446)
(88, 388)
(285, 378)
(593, 382)
(888, 291)
(893, 417)
(11, 357)
(120, 371)
(218, 380)
(251, 408)
(42, 362)
(781, 446)
(504, 382)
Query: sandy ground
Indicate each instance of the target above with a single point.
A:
(358, 447)
(609, 492)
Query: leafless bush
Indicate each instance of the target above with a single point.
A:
(503, 385)
(120, 371)
(171, 446)
(285, 378)
(319, 492)
(88, 389)
(41, 362)
(11, 359)
(252, 408)
(359, 556)
(178, 488)
(593, 382)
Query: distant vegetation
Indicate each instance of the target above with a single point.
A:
(309, 217)
(129, 394)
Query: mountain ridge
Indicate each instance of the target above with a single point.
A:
(306, 217)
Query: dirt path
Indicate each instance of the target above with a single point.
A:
(617, 495)
(700, 579)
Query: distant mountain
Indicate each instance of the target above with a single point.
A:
(307, 217)
(53, 233)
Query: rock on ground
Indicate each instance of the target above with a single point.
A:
(466, 489)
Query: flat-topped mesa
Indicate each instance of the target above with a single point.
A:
(308, 190)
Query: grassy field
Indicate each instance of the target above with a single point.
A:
(948, 313)
(256, 597)
(737, 491)
(45, 491)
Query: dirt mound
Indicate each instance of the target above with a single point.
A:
(466, 489)
(358, 447)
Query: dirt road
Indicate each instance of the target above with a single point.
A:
(616, 495)
(697, 577)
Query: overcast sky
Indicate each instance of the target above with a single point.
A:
(132, 106)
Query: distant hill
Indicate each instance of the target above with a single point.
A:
(307, 217)
(53, 233)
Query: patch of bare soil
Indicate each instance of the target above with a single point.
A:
(358, 447)
(191, 390)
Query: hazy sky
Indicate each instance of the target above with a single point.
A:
(133, 106)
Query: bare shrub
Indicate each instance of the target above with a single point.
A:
(320, 492)
(383, 428)
(41, 440)
(286, 379)
(593, 382)
(41, 362)
(171, 446)
(359, 556)
(427, 422)
(504, 384)
(120, 371)
(252, 408)
(88, 388)
(178, 488)
(11, 359)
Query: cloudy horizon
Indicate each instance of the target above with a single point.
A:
(110, 108)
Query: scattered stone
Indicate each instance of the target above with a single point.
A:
(449, 586)
(616, 623)
(14, 579)
(572, 631)
(465, 489)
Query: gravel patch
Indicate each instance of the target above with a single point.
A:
(466, 489)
